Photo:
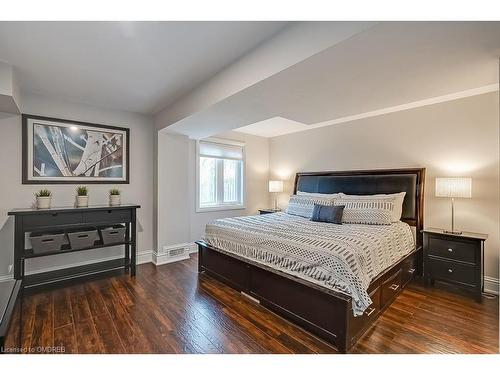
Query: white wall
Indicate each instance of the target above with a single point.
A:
(9, 89)
(14, 194)
(178, 221)
(459, 138)
(173, 190)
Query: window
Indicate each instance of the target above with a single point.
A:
(220, 175)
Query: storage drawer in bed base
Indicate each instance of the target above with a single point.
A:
(281, 295)
(324, 314)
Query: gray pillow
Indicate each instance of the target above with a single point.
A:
(303, 205)
(327, 214)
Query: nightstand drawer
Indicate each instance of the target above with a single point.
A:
(452, 271)
(451, 249)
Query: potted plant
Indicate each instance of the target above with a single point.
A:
(82, 198)
(43, 199)
(114, 197)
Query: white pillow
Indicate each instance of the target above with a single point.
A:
(397, 211)
(303, 205)
(378, 211)
(323, 195)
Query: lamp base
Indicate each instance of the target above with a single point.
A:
(457, 232)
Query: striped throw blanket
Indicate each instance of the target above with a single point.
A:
(344, 258)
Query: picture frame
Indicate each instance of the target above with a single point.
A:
(61, 151)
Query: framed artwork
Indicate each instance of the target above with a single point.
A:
(57, 151)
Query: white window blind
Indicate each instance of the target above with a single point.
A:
(220, 150)
(220, 175)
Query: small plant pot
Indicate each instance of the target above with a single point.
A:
(82, 201)
(115, 200)
(43, 202)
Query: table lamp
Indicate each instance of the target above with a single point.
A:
(275, 187)
(453, 187)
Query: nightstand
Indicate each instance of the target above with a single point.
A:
(455, 258)
(263, 211)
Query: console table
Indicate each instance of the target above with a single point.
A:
(27, 220)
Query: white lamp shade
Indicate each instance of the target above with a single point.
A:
(454, 187)
(275, 186)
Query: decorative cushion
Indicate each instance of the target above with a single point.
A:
(398, 202)
(367, 211)
(303, 205)
(323, 195)
(327, 214)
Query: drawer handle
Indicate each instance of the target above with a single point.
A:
(450, 270)
(372, 310)
(55, 214)
(450, 250)
(411, 270)
(48, 240)
(82, 235)
(394, 287)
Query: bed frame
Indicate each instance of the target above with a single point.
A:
(323, 312)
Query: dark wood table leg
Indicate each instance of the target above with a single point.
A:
(127, 247)
(18, 247)
(21, 303)
(22, 268)
(134, 244)
(479, 297)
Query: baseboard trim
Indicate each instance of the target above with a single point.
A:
(159, 258)
(144, 257)
(491, 285)
(193, 248)
(6, 277)
(190, 245)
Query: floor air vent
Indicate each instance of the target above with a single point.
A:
(172, 253)
(177, 252)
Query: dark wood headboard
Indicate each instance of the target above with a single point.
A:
(377, 181)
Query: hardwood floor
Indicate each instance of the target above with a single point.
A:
(168, 310)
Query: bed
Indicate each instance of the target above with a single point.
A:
(333, 280)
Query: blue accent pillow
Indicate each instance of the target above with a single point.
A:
(327, 214)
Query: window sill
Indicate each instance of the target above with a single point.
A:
(220, 208)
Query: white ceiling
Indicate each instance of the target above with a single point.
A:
(390, 64)
(273, 127)
(146, 66)
(134, 66)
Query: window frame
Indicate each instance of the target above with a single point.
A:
(221, 206)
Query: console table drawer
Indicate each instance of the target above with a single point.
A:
(50, 219)
(107, 216)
